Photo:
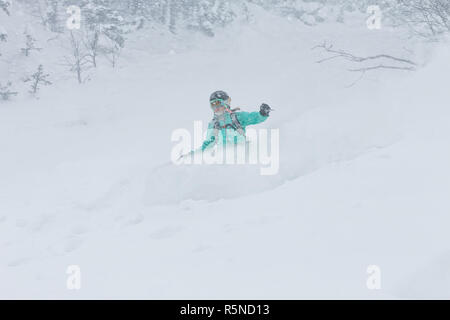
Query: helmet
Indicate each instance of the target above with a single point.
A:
(219, 95)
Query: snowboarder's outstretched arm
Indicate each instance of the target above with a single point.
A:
(251, 118)
(211, 136)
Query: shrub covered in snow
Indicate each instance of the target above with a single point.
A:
(38, 79)
(6, 92)
(4, 5)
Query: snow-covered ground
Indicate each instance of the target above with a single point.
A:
(364, 173)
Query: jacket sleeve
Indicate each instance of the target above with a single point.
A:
(210, 137)
(250, 118)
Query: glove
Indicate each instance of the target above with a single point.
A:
(265, 110)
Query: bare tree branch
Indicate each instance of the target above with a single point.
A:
(399, 63)
(351, 57)
(381, 67)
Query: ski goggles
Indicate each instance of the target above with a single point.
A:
(218, 104)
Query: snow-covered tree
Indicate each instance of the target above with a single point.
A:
(199, 15)
(30, 45)
(5, 5)
(112, 52)
(92, 44)
(138, 11)
(77, 61)
(52, 15)
(426, 18)
(101, 16)
(104, 29)
(3, 35)
(38, 79)
(205, 16)
(6, 92)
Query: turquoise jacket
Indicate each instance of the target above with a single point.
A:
(220, 130)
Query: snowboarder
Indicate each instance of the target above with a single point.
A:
(228, 125)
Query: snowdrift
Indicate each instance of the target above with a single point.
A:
(317, 138)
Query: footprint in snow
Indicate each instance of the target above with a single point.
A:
(228, 228)
(21, 223)
(72, 244)
(41, 222)
(65, 246)
(18, 262)
(78, 230)
(165, 232)
(133, 221)
(201, 248)
(263, 220)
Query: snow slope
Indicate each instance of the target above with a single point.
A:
(363, 178)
